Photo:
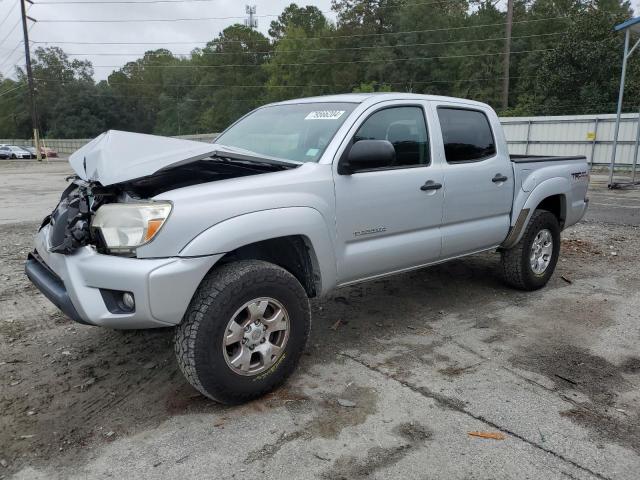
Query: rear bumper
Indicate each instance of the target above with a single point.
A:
(162, 287)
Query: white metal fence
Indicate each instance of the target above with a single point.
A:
(589, 135)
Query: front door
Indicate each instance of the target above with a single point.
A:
(387, 219)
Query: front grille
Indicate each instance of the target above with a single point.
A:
(70, 221)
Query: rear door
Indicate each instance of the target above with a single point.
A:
(478, 178)
(385, 221)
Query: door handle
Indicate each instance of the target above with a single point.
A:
(430, 185)
(499, 178)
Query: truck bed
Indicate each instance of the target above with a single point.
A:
(543, 158)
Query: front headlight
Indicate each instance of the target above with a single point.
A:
(126, 226)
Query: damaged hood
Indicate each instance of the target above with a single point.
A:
(115, 156)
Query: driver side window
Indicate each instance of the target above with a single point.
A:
(404, 128)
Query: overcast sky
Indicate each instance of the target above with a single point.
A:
(195, 33)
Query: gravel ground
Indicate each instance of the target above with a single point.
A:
(397, 374)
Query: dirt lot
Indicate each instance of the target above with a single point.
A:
(421, 359)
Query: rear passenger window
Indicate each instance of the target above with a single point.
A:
(405, 128)
(466, 134)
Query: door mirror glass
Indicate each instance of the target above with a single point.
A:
(370, 154)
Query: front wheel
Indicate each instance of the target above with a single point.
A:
(529, 264)
(244, 331)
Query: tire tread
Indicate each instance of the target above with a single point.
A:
(215, 289)
(512, 259)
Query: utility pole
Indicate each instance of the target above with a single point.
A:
(32, 93)
(507, 56)
(251, 11)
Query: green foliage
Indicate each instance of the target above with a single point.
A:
(14, 117)
(371, 87)
(230, 77)
(565, 60)
(310, 19)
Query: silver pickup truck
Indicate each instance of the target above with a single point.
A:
(227, 242)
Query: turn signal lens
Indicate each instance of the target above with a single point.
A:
(152, 228)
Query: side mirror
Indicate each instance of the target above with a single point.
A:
(368, 154)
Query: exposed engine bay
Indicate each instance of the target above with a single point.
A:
(71, 220)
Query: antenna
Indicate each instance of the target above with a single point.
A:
(250, 22)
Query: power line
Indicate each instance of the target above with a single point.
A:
(118, 43)
(251, 65)
(2, 94)
(321, 37)
(9, 56)
(305, 50)
(13, 96)
(124, 2)
(260, 86)
(142, 2)
(9, 14)
(7, 69)
(8, 59)
(10, 31)
(557, 106)
(148, 20)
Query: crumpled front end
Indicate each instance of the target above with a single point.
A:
(89, 286)
(70, 222)
(71, 267)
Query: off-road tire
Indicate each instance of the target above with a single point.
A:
(516, 267)
(198, 339)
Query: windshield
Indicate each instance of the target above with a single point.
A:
(298, 132)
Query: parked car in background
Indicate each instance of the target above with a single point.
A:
(13, 151)
(45, 152)
(32, 151)
(48, 152)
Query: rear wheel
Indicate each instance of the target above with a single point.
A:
(244, 331)
(529, 264)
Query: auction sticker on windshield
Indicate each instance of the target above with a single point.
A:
(324, 115)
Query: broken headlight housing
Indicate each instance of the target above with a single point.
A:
(126, 226)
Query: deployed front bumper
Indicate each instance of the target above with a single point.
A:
(76, 283)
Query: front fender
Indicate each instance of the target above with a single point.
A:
(529, 202)
(243, 230)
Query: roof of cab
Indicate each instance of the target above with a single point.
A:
(375, 98)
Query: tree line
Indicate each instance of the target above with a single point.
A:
(565, 59)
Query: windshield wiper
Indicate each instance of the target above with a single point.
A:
(252, 157)
(232, 159)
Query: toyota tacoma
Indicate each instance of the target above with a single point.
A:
(227, 241)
